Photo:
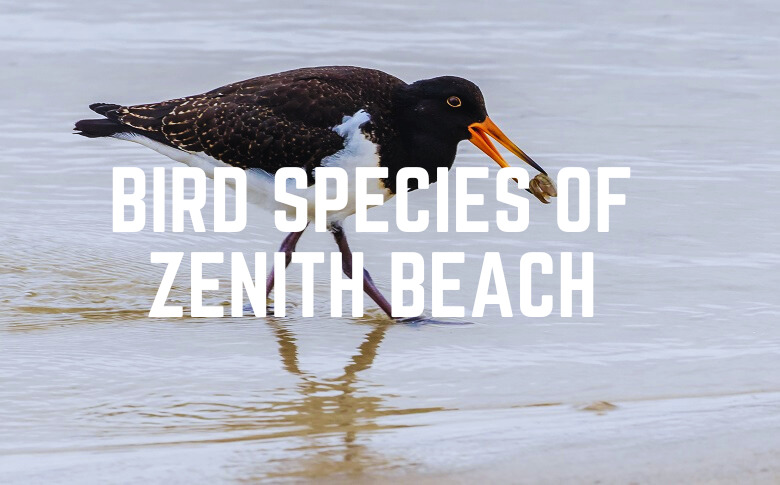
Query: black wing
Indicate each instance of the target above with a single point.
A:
(268, 122)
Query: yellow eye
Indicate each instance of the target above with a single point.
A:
(454, 101)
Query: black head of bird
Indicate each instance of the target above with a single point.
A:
(441, 112)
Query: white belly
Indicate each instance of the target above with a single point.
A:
(358, 151)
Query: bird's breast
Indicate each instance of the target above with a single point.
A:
(359, 151)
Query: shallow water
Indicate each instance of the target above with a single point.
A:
(685, 339)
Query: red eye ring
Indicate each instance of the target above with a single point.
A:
(454, 101)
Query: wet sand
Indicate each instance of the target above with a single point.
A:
(685, 337)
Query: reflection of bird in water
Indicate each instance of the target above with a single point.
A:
(332, 413)
(317, 428)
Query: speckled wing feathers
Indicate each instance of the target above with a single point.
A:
(269, 122)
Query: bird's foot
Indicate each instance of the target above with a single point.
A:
(426, 320)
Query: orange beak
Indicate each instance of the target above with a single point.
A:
(479, 132)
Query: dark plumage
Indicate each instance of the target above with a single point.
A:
(267, 122)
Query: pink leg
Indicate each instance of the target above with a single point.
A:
(346, 262)
(287, 247)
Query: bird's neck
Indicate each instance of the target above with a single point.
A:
(416, 151)
(414, 144)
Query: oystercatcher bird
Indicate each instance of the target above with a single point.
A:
(311, 117)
